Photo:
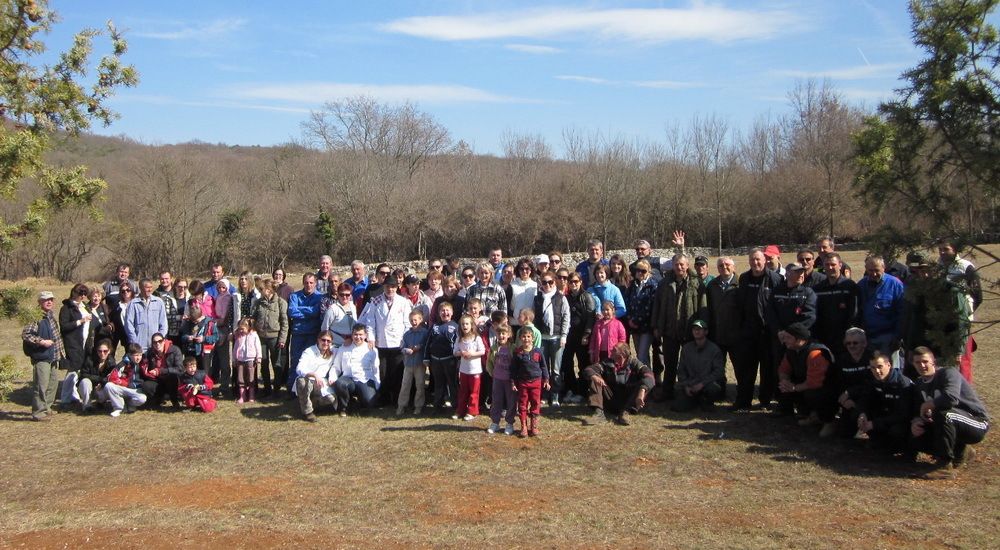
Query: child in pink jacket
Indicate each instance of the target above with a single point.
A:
(246, 349)
(608, 332)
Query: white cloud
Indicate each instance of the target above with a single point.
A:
(859, 72)
(187, 31)
(532, 49)
(697, 22)
(656, 84)
(167, 100)
(315, 92)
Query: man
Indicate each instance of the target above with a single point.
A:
(42, 343)
(113, 287)
(813, 275)
(323, 274)
(679, 300)
(618, 385)
(374, 288)
(804, 382)
(936, 314)
(949, 416)
(701, 270)
(836, 305)
(218, 274)
(643, 250)
(595, 257)
(723, 312)
(304, 316)
(145, 315)
(496, 262)
(433, 266)
(358, 279)
(489, 293)
(964, 274)
(792, 302)
(879, 409)
(773, 256)
(387, 319)
(881, 303)
(175, 313)
(701, 366)
(754, 348)
(826, 246)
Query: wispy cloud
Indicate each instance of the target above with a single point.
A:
(192, 31)
(532, 49)
(657, 84)
(167, 100)
(697, 22)
(313, 93)
(859, 72)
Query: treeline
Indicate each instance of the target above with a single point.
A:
(374, 181)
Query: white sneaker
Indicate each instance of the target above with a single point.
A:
(468, 417)
(116, 413)
(509, 430)
(494, 428)
(447, 404)
(454, 417)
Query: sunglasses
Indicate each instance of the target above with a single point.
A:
(641, 271)
(157, 341)
(468, 275)
(555, 260)
(182, 287)
(129, 290)
(103, 351)
(575, 281)
(385, 273)
(562, 277)
(548, 282)
(435, 267)
(345, 294)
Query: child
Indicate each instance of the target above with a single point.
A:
(528, 376)
(119, 386)
(199, 335)
(414, 371)
(439, 354)
(497, 319)
(248, 354)
(470, 349)
(196, 387)
(222, 369)
(526, 319)
(475, 307)
(503, 396)
(607, 333)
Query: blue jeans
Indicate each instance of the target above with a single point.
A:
(553, 358)
(345, 386)
(300, 342)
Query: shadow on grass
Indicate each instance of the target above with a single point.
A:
(22, 396)
(784, 441)
(278, 411)
(434, 428)
(12, 416)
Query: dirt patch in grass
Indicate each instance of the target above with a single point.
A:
(450, 500)
(156, 539)
(203, 494)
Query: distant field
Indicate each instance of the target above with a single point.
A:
(259, 477)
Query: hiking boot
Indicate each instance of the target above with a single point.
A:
(942, 470)
(595, 419)
(964, 458)
(624, 419)
(310, 417)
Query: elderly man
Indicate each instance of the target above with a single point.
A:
(595, 257)
(486, 290)
(950, 416)
(836, 305)
(723, 312)
(42, 342)
(313, 380)
(881, 303)
(773, 256)
(754, 348)
(145, 315)
(679, 300)
(618, 386)
(305, 319)
(701, 366)
(323, 274)
(358, 279)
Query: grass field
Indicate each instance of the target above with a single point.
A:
(258, 477)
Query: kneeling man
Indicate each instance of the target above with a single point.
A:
(618, 385)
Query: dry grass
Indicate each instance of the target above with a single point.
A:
(258, 476)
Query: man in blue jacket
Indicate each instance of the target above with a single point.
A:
(881, 301)
(303, 314)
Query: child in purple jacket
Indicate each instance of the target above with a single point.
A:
(503, 396)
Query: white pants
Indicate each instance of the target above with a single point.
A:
(68, 393)
(85, 388)
(118, 395)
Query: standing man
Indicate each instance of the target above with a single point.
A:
(723, 313)
(145, 316)
(881, 303)
(701, 270)
(496, 262)
(43, 343)
(175, 314)
(836, 305)
(113, 287)
(813, 276)
(964, 274)
(386, 318)
(754, 348)
(826, 246)
(323, 274)
(303, 315)
(489, 292)
(218, 274)
(644, 251)
(773, 256)
(358, 280)
(679, 301)
(595, 257)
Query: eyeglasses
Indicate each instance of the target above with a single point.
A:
(468, 275)
(182, 287)
(157, 341)
(555, 260)
(548, 282)
(641, 271)
(103, 351)
(385, 273)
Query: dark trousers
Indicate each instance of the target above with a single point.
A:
(613, 398)
(156, 390)
(222, 370)
(890, 437)
(707, 396)
(950, 431)
(445, 372)
(270, 362)
(574, 350)
(671, 355)
(822, 401)
(751, 353)
(390, 367)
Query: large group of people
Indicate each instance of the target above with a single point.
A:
(877, 359)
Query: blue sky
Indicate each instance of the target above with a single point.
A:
(250, 72)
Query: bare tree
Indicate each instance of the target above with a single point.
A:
(714, 158)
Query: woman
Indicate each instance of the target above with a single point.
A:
(418, 300)
(552, 318)
(603, 289)
(202, 299)
(104, 329)
(341, 315)
(93, 373)
(562, 280)
(639, 301)
(434, 290)
(582, 313)
(181, 296)
(451, 288)
(523, 290)
(619, 275)
(117, 303)
(77, 336)
(271, 323)
(246, 298)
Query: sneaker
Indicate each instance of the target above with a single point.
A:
(554, 402)
(116, 413)
(469, 417)
(42, 418)
(624, 419)
(494, 428)
(343, 414)
(416, 412)
(454, 417)
(967, 455)
(447, 404)
(595, 419)
(509, 430)
(310, 417)
(239, 401)
(829, 430)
